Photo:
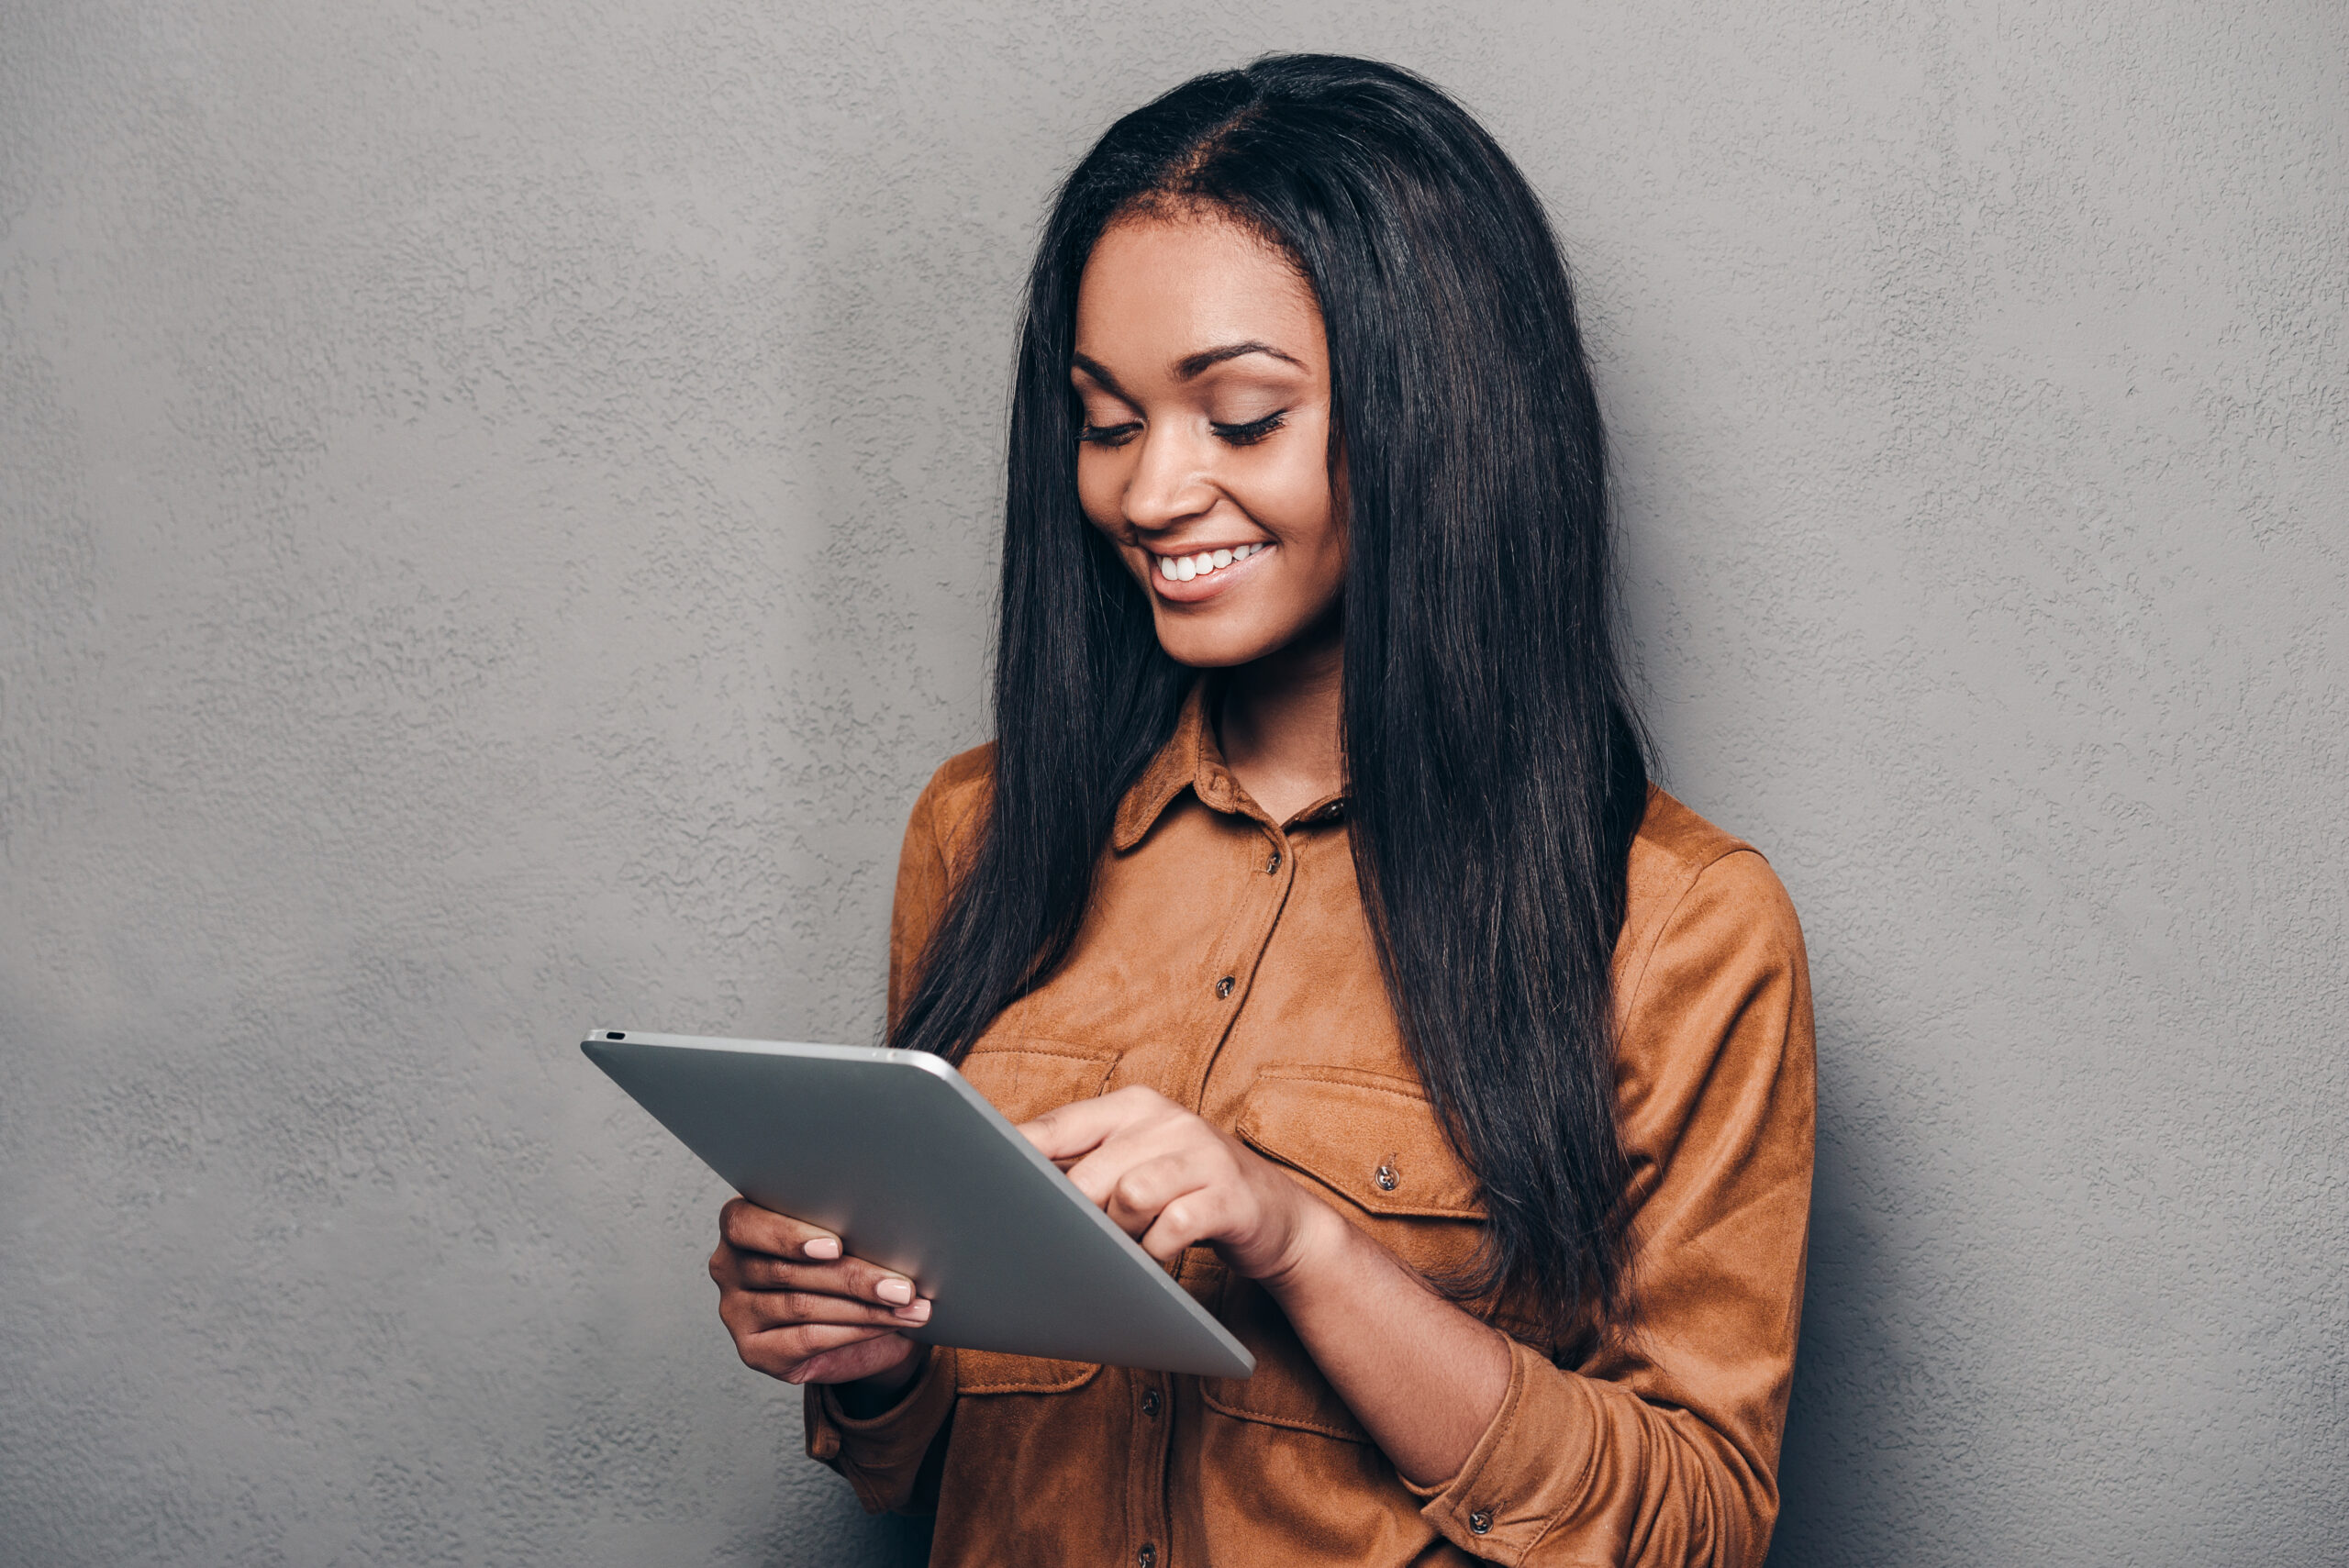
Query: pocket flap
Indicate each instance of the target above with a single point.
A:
(1025, 1078)
(995, 1372)
(1369, 1136)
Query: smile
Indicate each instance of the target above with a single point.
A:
(1183, 568)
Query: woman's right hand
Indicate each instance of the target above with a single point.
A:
(800, 1311)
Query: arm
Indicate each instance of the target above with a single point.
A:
(1661, 1447)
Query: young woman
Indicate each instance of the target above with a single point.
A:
(1313, 908)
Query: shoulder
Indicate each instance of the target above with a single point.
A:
(1715, 1065)
(953, 803)
(939, 837)
(1699, 895)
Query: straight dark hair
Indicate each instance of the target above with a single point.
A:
(1494, 767)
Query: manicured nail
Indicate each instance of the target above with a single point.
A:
(824, 1247)
(918, 1313)
(895, 1290)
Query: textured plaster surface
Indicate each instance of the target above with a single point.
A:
(495, 519)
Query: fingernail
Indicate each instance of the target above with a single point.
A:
(918, 1313)
(825, 1247)
(897, 1290)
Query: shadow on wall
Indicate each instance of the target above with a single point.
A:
(1839, 1458)
(853, 1538)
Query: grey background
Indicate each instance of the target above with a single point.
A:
(495, 526)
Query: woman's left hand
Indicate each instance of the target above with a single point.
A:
(1174, 1180)
(1422, 1375)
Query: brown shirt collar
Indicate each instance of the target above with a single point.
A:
(1191, 760)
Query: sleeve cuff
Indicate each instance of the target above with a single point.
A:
(881, 1455)
(1505, 1495)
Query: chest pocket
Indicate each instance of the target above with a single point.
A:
(1023, 1078)
(1372, 1143)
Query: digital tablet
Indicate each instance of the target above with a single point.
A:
(914, 1170)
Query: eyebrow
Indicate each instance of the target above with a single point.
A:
(1190, 368)
(1206, 359)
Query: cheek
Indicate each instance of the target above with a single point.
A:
(1294, 500)
(1099, 487)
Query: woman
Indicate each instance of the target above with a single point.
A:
(1313, 909)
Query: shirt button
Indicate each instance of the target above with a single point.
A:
(1223, 986)
(1387, 1176)
(1149, 1402)
(1274, 865)
(1147, 1556)
(1480, 1522)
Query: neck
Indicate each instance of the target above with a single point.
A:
(1282, 730)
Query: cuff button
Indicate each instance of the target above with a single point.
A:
(1480, 1522)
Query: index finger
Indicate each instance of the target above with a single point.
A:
(1077, 1128)
(754, 1229)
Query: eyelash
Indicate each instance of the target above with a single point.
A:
(1256, 430)
(1246, 435)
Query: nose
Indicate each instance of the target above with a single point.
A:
(1169, 483)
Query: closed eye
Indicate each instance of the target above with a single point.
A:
(1110, 435)
(1256, 430)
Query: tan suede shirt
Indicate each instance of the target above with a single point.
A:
(1226, 963)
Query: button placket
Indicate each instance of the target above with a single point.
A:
(1240, 947)
(1146, 1497)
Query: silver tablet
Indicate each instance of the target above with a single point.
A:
(914, 1170)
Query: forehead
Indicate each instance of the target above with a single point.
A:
(1158, 288)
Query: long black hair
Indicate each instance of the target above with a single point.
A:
(1494, 768)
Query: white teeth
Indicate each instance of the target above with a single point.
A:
(1183, 568)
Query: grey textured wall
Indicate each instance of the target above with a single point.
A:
(496, 513)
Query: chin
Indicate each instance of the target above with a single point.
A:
(1202, 649)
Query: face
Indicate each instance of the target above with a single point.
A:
(1204, 381)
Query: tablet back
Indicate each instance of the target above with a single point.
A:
(915, 1170)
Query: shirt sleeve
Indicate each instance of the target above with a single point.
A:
(923, 883)
(886, 1457)
(1661, 1447)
